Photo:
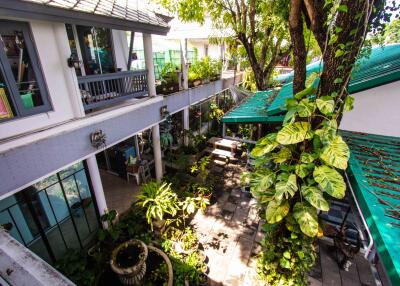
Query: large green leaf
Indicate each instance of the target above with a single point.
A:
(328, 131)
(302, 170)
(337, 153)
(314, 196)
(286, 189)
(282, 156)
(305, 92)
(262, 179)
(294, 133)
(276, 212)
(308, 157)
(306, 217)
(305, 108)
(325, 104)
(330, 180)
(348, 103)
(265, 145)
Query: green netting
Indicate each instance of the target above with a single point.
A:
(374, 173)
(160, 59)
(252, 110)
(382, 66)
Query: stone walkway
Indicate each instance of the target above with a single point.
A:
(230, 232)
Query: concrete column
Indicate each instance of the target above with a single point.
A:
(157, 151)
(186, 124)
(184, 63)
(69, 73)
(148, 59)
(96, 184)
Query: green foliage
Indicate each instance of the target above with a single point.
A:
(294, 133)
(158, 199)
(287, 255)
(205, 68)
(330, 181)
(258, 30)
(75, 266)
(170, 74)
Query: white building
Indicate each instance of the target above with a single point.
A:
(63, 84)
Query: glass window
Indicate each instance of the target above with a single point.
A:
(22, 86)
(96, 49)
(61, 215)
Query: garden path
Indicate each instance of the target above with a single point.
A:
(230, 232)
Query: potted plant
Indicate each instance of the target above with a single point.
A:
(158, 199)
(128, 261)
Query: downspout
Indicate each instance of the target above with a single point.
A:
(128, 67)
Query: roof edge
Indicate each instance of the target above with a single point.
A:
(38, 11)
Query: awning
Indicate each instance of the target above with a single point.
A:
(374, 174)
(113, 14)
(253, 110)
(381, 67)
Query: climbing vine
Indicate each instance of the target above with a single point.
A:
(299, 167)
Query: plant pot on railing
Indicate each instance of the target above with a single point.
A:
(128, 261)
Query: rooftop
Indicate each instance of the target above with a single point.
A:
(116, 14)
(374, 173)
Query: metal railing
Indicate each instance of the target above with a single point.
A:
(105, 89)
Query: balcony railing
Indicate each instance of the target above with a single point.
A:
(106, 89)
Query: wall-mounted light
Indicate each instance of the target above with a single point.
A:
(73, 61)
(164, 111)
(98, 139)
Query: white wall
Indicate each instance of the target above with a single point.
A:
(53, 50)
(376, 111)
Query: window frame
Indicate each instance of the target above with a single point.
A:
(17, 105)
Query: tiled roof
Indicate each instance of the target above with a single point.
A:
(130, 10)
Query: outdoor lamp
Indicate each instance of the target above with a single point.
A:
(73, 61)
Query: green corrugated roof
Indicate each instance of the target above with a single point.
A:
(252, 110)
(374, 173)
(382, 66)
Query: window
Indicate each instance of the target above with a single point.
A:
(53, 215)
(93, 46)
(22, 88)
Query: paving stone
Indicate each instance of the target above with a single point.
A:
(259, 236)
(257, 248)
(228, 206)
(223, 197)
(217, 169)
(227, 215)
(234, 200)
(240, 215)
(236, 193)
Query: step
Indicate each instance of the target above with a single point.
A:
(219, 152)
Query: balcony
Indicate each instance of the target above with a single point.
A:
(103, 90)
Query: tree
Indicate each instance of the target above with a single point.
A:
(391, 34)
(259, 26)
(306, 157)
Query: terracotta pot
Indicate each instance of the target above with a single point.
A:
(129, 274)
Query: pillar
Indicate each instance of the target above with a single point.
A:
(96, 184)
(148, 59)
(184, 63)
(157, 151)
(186, 124)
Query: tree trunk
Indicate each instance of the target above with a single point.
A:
(299, 47)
